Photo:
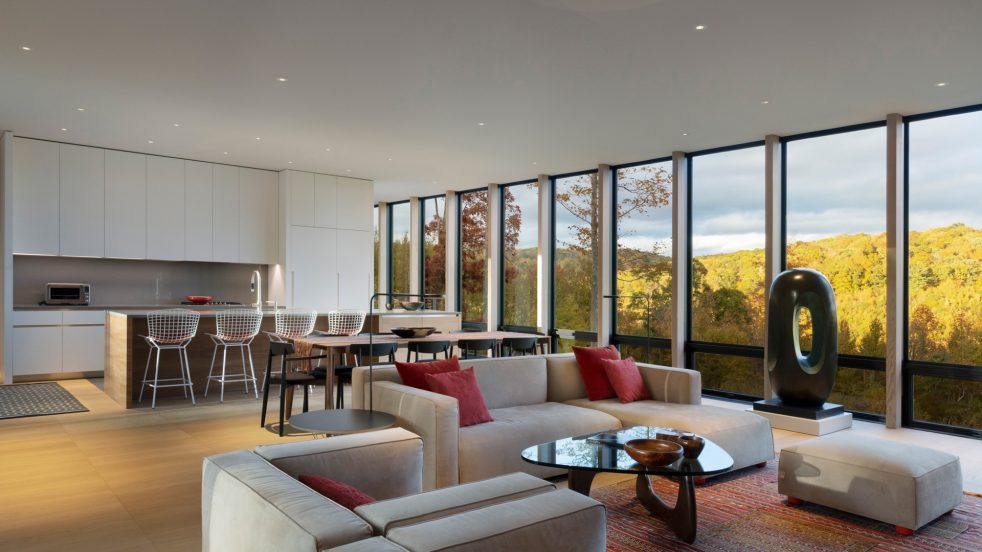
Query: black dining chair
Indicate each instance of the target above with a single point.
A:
(518, 346)
(286, 378)
(471, 348)
(428, 347)
(361, 352)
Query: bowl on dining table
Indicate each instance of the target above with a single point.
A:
(406, 332)
(653, 452)
(411, 305)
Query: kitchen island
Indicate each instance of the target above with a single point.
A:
(127, 353)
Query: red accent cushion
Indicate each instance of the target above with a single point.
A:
(626, 380)
(345, 495)
(413, 373)
(462, 385)
(592, 371)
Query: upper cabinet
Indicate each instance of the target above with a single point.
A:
(36, 191)
(82, 201)
(355, 199)
(301, 198)
(126, 205)
(198, 197)
(327, 201)
(165, 208)
(225, 214)
(258, 216)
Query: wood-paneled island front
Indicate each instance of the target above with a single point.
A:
(127, 356)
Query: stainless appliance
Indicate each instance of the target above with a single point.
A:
(66, 294)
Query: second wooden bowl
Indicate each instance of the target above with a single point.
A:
(653, 452)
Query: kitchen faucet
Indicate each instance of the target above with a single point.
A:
(256, 285)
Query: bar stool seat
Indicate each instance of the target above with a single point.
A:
(170, 329)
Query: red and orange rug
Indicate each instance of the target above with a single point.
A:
(743, 512)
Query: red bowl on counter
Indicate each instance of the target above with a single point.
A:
(199, 299)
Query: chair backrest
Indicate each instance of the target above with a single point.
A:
(345, 322)
(520, 345)
(172, 326)
(432, 347)
(295, 323)
(363, 350)
(475, 346)
(238, 324)
(280, 348)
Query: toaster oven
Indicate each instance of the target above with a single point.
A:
(66, 294)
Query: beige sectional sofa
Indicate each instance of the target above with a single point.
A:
(536, 399)
(252, 501)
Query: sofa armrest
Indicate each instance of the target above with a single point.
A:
(434, 418)
(672, 385)
(357, 460)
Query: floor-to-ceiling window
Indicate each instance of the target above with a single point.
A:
(399, 249)
(520, 255)
(943, 374)
(835, 186)
(375, 258)
(576, 258)
(472, 296)
(434, 232)
(643, 260)
(727, 269)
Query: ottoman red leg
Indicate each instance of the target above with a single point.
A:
(699, 480)
(792, 501)
(905, 531)
(761, 465)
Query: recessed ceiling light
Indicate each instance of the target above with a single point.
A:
(258, 138)
(535, 162)
(224, 153)
(79, 109)
(177, 125)
(347, 170)
(149, 141)
(281, 79)
(390, 159)
(765, 102)
(685, 134)
(700, 27)
(480, 124)
(941, 84)
(327, 149)
(26, 48)
(289, 162)
(64, 130)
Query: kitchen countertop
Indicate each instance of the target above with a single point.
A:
(404, 312)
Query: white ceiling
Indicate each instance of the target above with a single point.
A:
(562, 85)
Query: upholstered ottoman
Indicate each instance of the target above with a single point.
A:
(902, 484)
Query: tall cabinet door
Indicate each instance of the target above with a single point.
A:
(83, 201)
(313, 272)
(326, 201)
(354, 267)
(258, 216)
(165, 208)
(126, 205)
(301, 198)
(355, 198)
(35, 197)
(197, 211)
(225, 214)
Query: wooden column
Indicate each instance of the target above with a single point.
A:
(451, 217)
(605, 179)
(896, 249)
(680, 256)
(7, 272)
(544, 293)
(415, 245)
(493, 264)
(774, 231)
(383, 253)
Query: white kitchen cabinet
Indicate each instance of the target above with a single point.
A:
(325, 201)
(354, 201)
(225, 214)
(313, 273)
(165, 208)
(52, 342)
(355, 269)
(301, 198)
(198, 194)
(37, 350)
(36, 193)
(258, 216)
(83, 348)
(126, 205)
(83, 201)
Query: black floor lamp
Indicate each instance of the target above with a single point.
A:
(647, 318)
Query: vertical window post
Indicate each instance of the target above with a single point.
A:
(415, 245)
(896, 277)
(605, 180)
(384, 243)
(493, 266)
(680, 257)
(544, 308)
(774, 230)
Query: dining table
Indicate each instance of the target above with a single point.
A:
(335, 347)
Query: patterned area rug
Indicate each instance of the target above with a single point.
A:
(743, 512)
(36, 399)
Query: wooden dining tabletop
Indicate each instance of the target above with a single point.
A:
(335, 344)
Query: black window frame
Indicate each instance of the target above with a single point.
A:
(501, 255)
(421, 250)
(389, 236)
(466, 324)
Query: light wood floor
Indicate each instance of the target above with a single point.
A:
(112, 479)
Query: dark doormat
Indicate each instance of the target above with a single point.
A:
(23, 400)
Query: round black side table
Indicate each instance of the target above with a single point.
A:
(342, 421)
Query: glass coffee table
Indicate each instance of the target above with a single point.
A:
(586, 456)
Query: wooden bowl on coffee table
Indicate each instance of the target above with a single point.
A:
(653, 452)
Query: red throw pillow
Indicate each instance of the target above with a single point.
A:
(413, 373)
(594, 378)
(462, 385)
(345, 495)
(626, 379)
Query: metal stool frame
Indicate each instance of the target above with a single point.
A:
(171, 329)
(235, 328)
(345, 322)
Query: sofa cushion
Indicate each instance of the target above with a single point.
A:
(495, 448)
(511, 381)
(374, 544)
(592, 371)
(626, 380)
(410, 510)
(345, 495)
(413, 374)
(565, 383)
(462, 385)
(747, 437)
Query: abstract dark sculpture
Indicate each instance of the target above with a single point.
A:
(797, 379)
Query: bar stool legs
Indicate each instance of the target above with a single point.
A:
(245, 354)
(185, 380)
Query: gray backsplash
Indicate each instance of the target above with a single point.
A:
(118, 282)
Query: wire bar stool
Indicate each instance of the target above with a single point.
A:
(293, 324)
(235, 328)
(345, 322)
(170, 329)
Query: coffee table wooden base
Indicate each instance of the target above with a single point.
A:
(681, 518)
